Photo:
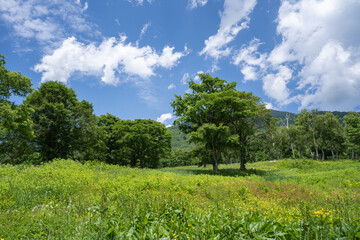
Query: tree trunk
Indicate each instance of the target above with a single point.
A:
(227, 156)
(332, 152)
(133, 161)
(142, 163)
(323, 154)
(215, 162)
(293, 151)
(316, 149)
(242, 160)
(215, 167)
(352, 154)
(312, 154)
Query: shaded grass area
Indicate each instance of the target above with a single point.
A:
(288, 199)
(338, 174)
(229, 171)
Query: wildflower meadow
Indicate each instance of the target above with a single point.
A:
(286, 199)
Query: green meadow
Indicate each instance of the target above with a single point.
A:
(285, 199)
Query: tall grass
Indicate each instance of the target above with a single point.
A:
(290, 199)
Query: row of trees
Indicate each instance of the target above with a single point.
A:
(314, 135)
(52, 123)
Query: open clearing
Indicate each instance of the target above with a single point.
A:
(286, 199)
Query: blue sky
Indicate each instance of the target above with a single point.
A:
(129, 57)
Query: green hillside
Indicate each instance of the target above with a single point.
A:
(281, 116)
(179, 140)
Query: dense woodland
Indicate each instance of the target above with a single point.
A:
(218, 124)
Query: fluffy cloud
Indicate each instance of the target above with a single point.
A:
(319, 54)
(234, 18)
(164, 117)
(323, 38)
(44, 21)
(275, 85)
(331, 80)
(269, 106)
(196, 3)
(250, 60)
(110, 58)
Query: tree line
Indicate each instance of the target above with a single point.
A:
(52, 123)
(313, 135)
(224, 124)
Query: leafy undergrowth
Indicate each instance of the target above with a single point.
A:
(288, 199)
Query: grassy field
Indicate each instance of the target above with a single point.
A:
(287, 199)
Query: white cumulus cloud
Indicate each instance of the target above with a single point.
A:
(250, 60)
(110, 58)
(164, 117)
(234, 18)
(323, 38)
(332, 80)
(270, 106)
(319, 54)
(275, 85)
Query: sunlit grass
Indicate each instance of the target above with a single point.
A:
(287, 199)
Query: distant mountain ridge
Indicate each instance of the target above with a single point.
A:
(281, 116)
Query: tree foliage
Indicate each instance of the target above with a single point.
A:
(216, 114)
(15, 124)
(63, 126)
(352, 128)
(141, 142)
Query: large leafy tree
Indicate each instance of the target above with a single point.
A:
(213, 108)
(201, 113)
(141, 142)
(63, 126)
(15, 123)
